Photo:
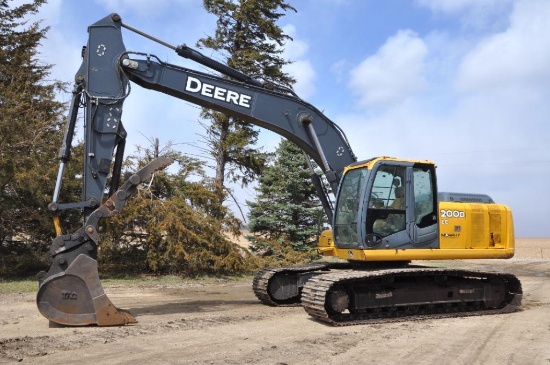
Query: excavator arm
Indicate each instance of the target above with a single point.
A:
(70, 293)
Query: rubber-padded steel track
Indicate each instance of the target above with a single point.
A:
(316, 291)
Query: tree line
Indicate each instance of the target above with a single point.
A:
(179, 223)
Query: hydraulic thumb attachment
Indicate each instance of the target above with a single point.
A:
(70, 293)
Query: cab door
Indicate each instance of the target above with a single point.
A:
(387, 205)
(347, 214)
(401, 206)
(423, 229)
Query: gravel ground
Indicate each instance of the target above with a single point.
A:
(223, 323)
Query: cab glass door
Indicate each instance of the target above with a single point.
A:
(346, 215)
(387, 201)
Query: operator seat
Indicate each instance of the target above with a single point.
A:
(399, 201)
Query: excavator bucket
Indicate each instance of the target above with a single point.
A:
(76, 297)
(70, 293)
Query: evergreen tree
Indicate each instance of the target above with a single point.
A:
(172, 225)
(286, 208)
(30, 133)
(249, 38)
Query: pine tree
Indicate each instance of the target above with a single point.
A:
(30, 133)
(173, 224)
(249, 38)
(286, 208)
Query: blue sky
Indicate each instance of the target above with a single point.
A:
(464, 83)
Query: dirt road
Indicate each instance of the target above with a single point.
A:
(223, 323)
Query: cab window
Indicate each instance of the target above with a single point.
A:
(345, 221)
(387, 201)
(425, 204)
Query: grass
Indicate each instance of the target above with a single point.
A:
(145, 281)
(18, 286)
(12, 286)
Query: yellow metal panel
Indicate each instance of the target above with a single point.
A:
(495, 223)
(475, 226)
(422, 254)
(466, 231)
(370, 163)
(326, 244)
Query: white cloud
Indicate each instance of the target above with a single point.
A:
(296, 48)
(300, 68)
(517, 57)
(396, 71)
(303, 72)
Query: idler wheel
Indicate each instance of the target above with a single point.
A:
(338, 300)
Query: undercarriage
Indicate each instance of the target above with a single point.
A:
(345, 295)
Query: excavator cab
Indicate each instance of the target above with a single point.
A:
(386, 203)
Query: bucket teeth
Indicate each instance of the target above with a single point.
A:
(76, 297)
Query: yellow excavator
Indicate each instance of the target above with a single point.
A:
(387, 213)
